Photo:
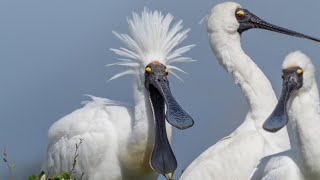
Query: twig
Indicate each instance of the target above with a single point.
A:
(76, 154)
(10, 166)
(81, 176)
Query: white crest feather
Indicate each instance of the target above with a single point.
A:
(176, 68)
(151, 38)
(205, 18)
(176, 75)
(127, 72)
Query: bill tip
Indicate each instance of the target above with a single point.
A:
(169, 176)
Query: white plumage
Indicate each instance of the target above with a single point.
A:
(118, 139)
(302, 160)
(151, 39)
(235, 156)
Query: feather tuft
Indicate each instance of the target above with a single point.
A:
(176, 68)
(176, 75)
(151, 37)
(101, 101)
(127, 72)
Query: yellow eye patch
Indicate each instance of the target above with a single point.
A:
(299, 71)
(240, 13)
(148, 69)
(166, 71)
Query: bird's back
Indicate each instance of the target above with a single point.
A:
(280, 166)
(231, 158)
(103, 125)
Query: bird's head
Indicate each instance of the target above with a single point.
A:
(150, 50)
(231, 18)
(304, 67)
(298, 77)
(156, 82)
(155, 74)
(222, 18)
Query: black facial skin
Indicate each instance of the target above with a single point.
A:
(162, 158)
(248, 21)
(175, 115)
(292, 81)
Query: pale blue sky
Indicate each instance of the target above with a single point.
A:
(53, 52)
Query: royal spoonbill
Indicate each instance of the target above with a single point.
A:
(299, 107)
(123, 142)
(236, 156)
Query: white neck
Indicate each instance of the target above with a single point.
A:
(143, 123)
(253, 83)
(255, 86)
(140, 142)
(304, 124)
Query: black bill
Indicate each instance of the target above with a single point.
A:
(279, 117)
(175, 115)
(162, 158)
(248, 21)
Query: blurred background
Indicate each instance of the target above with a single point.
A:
(53, 52)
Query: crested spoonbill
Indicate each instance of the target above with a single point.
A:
(299, 107)
(236, 156)
(122, 142)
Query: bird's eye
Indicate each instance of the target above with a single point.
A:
(166, 71)
(240, 14)
(299, 71)
(147, 70)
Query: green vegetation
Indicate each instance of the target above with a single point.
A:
(65, 175)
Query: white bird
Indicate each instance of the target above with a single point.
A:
(123, 142)
(236, 156)
(300, 98)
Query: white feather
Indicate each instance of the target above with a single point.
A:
(117, 137)
(176, 68)
(235, 157)
(102, 101)
(175, 75)
(140, 47)
(127, 72)
(176, 53)
(205, 18)
(301, 162)
(181, 59)
(129, 64)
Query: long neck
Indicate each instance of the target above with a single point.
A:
(304, 118)
(143, 123)
(255, 86)
(253, 83)
(141, 139)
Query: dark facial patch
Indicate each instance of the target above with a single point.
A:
(156, 69)
(293, 76)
